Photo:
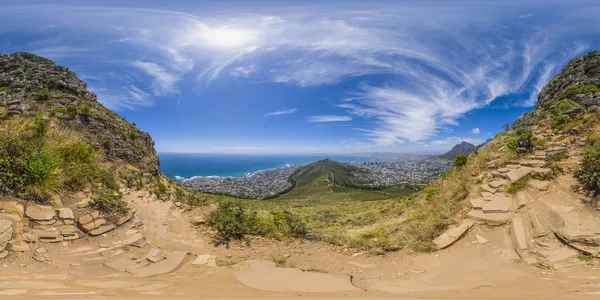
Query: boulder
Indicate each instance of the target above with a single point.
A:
(453, 234)
(540, 185)
(198, 220)
(102, 230)
(65, 214)
(49, 236)
(498, 204)
(205, 260)
(516, 174)
(93, 224)
(40, 213)
(6, 233)
(519, 237)
(489, 218)
(12, 207)
(88, 218)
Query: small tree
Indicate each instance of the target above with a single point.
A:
(460, 160)
(506, 126)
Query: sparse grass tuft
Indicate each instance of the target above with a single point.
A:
(518, 185)
(280, 261)
(224, 263)
(109, 201)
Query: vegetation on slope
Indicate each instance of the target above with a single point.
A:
(37, 161)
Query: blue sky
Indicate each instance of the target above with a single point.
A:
(308, 76)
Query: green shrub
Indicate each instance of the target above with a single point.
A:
(590, 89)
(559, 107)
(518, 185)
(109, 201)
(86, 112)
(16, 150)
(161, 188)
(559, 122)
(232, 222)
(42, 95)
(571, 90)
(281, 224)
(133, 135)
(588, 172)
(72, 110)
(5, 89)
(460, 160)
(41, 178)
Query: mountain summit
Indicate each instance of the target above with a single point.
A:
(462, 148)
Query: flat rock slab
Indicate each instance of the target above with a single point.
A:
(168, 265)
(102, 230)
(533, 163)
(541, 173)
(65, 213)
(265, 275)
(491, 218)
(453, 234)
(497, 183)
(519, 237)
(503, 170)
(522, 199)
(519, 173)
(498, 204)
(488, 188)
(477, 203)
(540, 185)
(40, 213)
(487, 196)
(205, 260)
(556, 255)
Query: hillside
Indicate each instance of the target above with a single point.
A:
(330, 181)
(462, 148)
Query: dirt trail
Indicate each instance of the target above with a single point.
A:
(468, 269)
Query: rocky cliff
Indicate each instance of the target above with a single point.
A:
(30, 85)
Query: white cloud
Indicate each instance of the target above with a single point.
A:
(163, 82)
(475, 131)
(243, 71)
(453, 140)
(282, 112)
(329, 118)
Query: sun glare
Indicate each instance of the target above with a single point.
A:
(225, 37)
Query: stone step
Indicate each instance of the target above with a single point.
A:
(541, 173)
(539, 185)
(503, 170)
(533, 163)
(559, 254)
(487, 196)
(498, 204)
(519, 237)
(453, 234)
(491, 218)
(167, 265)
(519, 173)
(496, 184)
(488, 188)
(477, 203)
(522, 199)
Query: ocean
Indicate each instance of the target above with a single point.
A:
(187, 165)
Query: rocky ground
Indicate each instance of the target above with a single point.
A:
(165, 251)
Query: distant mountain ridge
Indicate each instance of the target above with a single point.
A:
(462, 148)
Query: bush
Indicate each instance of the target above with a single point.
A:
(16, 151)
(72, 110)
(571, 90)
(133, 135)
(559, 122)
(42, 95)
(559, 107)
(518, 185)
(460, 160)
(281, 224)
(109, 201)
(161, 188)
(588, 172)
(523, 138)
(232, 222)
(590, 89)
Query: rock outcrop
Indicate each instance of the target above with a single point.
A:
(30, 84)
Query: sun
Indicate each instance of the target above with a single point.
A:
(225, 37)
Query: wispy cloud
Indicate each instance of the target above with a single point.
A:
(243, 71)
(475, 131)
(282, 112)
(163, 81)
(329, 118)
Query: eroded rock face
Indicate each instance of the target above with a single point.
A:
(23, 75)
(581, 71)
